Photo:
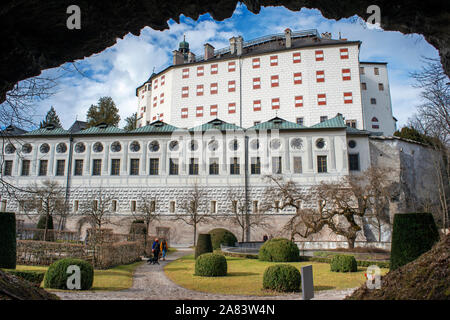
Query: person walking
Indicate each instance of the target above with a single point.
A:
(163, 249)
(155, 250)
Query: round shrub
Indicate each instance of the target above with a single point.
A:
(279, 250)
(412, 235)
(343, 263)
(211, 265)
(222, 236)
(204, 244)
(56, 275)
(7, 240)
(41, 225)
(282, 278)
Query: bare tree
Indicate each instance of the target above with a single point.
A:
(97, 209)
(241, 214)
(196, 208)
(147, 211)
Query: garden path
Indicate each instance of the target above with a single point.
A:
(151, 283)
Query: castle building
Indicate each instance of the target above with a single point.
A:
(295, 105)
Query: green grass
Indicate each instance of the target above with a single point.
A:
(245, 276)
(114, 279)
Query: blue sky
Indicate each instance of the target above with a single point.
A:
(118, 70)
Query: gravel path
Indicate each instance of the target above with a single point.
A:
(150, 283)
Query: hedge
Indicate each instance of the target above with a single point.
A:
(413, 234)
(222, 236)
(8, 240)
(343, 263)
(360, 263)
(211, 265)
(35, 276)
(204, 244)
(56, 275)
(279, 250)
(41, 225)
(283, 278)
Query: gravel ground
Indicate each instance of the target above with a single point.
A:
(150, 283)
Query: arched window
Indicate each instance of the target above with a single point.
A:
(374, 119)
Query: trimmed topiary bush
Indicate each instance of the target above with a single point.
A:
(279, 250)
(7, 240)
(222, 236)
(56, 275)
(211, 265)
(282, 278)
(343, 263)
(413, 234)
(41, 225)
(204, 244)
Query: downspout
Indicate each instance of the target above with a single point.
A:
(69, 174)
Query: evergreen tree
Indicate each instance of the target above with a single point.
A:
(131, 122)
(412, 134)
(51, 118)
(104, 112)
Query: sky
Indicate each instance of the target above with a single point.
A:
(118, 70)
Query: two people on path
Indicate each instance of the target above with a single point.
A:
(158, 248)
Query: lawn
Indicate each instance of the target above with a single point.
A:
(245, 276)
(117, 278)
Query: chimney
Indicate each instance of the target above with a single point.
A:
(191, 57)
(239, 44)
(233, 45)
(209, 51)
(288, 36)
(178, 57)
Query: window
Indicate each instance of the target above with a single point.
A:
(255, 206)
(60, 166)
(173, 166)
(381, 87)
(213, 110)
(199, 90)
(214, 68)
(232, 107)
(185, 92)
(323, 118)
(153, 205)
(78, 167)
(163, 80)
(257, 105)
(185, 73)
(352, 144)
(172, 206)
(114, 205)
(199, 112)
(115, 167)
(155, 83)
(320, 76)
(361, 70)
(376, 71)
(321, 164)
(375, 123)
(353, 162)
(133, 205)
(96, 167)
(234, 206)
(154, 166)
(274, 81)
(255, 63)
(273, 61)
(7, 171)
(134, 167)
(255, 165)
(297, 164)
(214, 88)
(299, 120)
(184, 113)
(256, 122)
(298, 101)
(373, 101)
(231, 66)
(155, 101)
(346, 75)
(276, 103)
(298, 78)
(321, 99)
(276, 165)
(234, 166)
(319, 55)
(214, 166)
(363, 85)
(257, 83)
(296, 57)
(231, 86)
(200, 71)
(344, 53)
(161, 98)
(213, 206)
(193, 166)
(350, 123)
(76, 206)
(348, 97)
(43, 167)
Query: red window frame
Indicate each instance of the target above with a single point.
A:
(184, 113)
(214, 68)
(275, 103)
(199, 112)
(344, 53)
(161, 98)
(185, 73)
(322, 99)
(155, 83)
(348, 97)
(231, 86)
(256, 105)
(213, 110)
(232, 107)
(273, 61)
(320, 76)
(214, 89)
(163, 80)
(200, 92)
(200, 71)
(231, 66)
(274, 81)
(298, 100)
(297, 75)
(185, 92)
(155, 101)
(346, 74)
(256, 63)
(319, 55)
(296, 57)
(257, 85)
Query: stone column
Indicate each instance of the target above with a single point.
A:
(87, 167)
(144, 161)
(332, 154)
(310, 157)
